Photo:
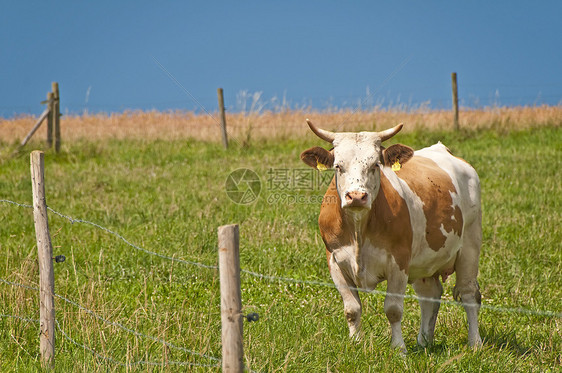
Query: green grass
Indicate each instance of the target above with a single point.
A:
(169, 197)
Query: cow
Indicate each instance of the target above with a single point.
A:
(404, 216)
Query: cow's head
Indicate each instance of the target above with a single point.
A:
(357, 158)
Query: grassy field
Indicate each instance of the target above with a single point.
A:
(168, 195)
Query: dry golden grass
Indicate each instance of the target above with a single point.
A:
(243, 128)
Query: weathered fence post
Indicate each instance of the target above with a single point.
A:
(52, 114)
(50, 118)
(45, 251)
(231, 302)
(56, 115)
(455, 100)
(35, 127)
(223, 118)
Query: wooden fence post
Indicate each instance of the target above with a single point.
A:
(45, 251)
(231, 302)
(35, 127)
(223, 118)
(50, 119)
(455, 100)
(56, 115)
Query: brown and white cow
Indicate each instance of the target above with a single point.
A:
(403, 216)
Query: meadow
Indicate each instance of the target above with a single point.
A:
(159, 181)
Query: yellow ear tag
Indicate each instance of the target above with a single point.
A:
(396, 166)
(320, 166)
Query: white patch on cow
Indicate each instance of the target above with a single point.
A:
(452, 241)
(355, 154)
(376, 264)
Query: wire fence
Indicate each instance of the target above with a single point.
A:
(108, 358)
(214, 361)
(109, 322)
(275, 278)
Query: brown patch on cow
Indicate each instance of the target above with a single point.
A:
(389, 226)
(433, 186)
(331, 221)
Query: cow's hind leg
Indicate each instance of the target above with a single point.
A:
(466, 288)
(429, 291)
(350, 297)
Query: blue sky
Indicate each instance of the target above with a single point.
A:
(115, 55)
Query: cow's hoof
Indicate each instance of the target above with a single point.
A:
(402, 351)
(424, 341)
(475, 343)
(401, 348)
(356, 336)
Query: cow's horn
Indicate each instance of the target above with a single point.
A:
(323, 134)
(387, 134)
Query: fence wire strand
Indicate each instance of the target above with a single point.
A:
(4, 316)
(73, 220)
(16, 203)
(110, 358)
(134, 332)
(405, 296)
(272, 278)
(139, 362)
(114, 323)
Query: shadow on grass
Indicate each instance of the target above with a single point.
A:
(492, 338)
(434, 349)
(504, 340)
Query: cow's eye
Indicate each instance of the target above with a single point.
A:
(374, 167)
(338, 168)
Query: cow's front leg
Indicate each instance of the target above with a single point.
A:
(394, 305)
(350, 297)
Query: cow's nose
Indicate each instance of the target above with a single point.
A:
(356, 199)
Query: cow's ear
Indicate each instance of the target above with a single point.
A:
(397, 153)
(318, 157)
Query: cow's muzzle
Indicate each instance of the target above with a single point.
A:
(356, 199)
